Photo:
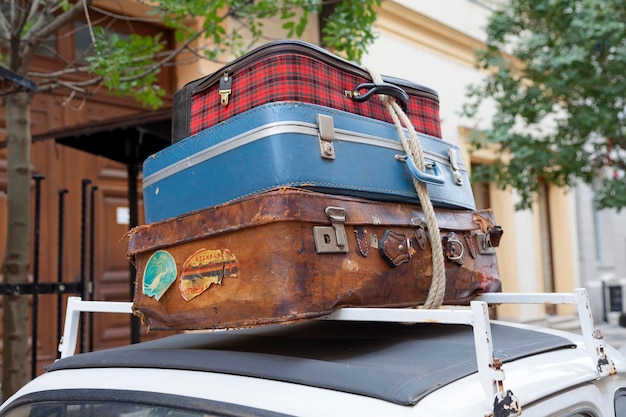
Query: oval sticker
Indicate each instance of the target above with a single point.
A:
(159, 273)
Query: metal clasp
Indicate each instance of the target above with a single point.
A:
(326, 135)
(487, 242)
(455, 251)
(420, 231)
(454, 163)
(226, 83)
(332, 239)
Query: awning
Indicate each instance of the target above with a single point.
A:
(128, 139)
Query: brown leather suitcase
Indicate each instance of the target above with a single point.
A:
(290, 254)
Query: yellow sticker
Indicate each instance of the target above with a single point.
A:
(204, 268)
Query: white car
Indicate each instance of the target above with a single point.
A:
(356, 362)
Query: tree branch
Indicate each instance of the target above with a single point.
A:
(58, 74)
(79, 87)
(45, 27)
(18, 20)
(168, 58)
(123, 17)
(63, 19)
(4, 27)
(34, 10)
(42, 19)
(17, 23)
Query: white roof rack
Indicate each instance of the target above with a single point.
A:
(67, 344)
(500, 402)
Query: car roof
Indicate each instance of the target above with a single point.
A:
(395, 362)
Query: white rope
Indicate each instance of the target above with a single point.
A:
(413, 149)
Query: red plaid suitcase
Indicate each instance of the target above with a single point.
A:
(297, 71)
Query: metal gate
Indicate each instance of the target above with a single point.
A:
(84, 287)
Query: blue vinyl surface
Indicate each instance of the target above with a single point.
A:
(276, 145)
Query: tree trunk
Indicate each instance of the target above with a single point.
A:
(16, 265)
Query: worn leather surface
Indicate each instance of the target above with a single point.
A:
(276, 275)
(395, 248)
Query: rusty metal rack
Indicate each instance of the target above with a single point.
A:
(490, 369)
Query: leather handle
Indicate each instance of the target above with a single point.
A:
(392, 90)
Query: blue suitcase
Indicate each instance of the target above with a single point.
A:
(290, 144)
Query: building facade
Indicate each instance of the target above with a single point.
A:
(562, 242)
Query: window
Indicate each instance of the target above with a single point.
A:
(119, 403)
(620, 403)
(110, 409)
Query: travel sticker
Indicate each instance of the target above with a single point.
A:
(206, 267)
(159, 273)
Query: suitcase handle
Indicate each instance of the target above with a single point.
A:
(435, 179)
(381, 88)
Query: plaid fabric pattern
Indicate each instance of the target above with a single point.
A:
(300, 78)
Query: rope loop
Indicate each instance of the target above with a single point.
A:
(413, 149)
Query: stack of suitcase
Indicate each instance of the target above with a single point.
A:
(286, 194)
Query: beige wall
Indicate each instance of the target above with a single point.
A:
(564, 243)
(426, 33)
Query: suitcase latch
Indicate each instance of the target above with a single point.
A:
(326, 135)
(454, 163)
(487, 242)
(332, 239)
(420, 231)
(226, 84)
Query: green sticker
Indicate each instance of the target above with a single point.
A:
(159, 273)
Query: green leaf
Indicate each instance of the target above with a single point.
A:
(560, 113)
(129, 65)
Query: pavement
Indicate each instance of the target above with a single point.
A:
(613, 333)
